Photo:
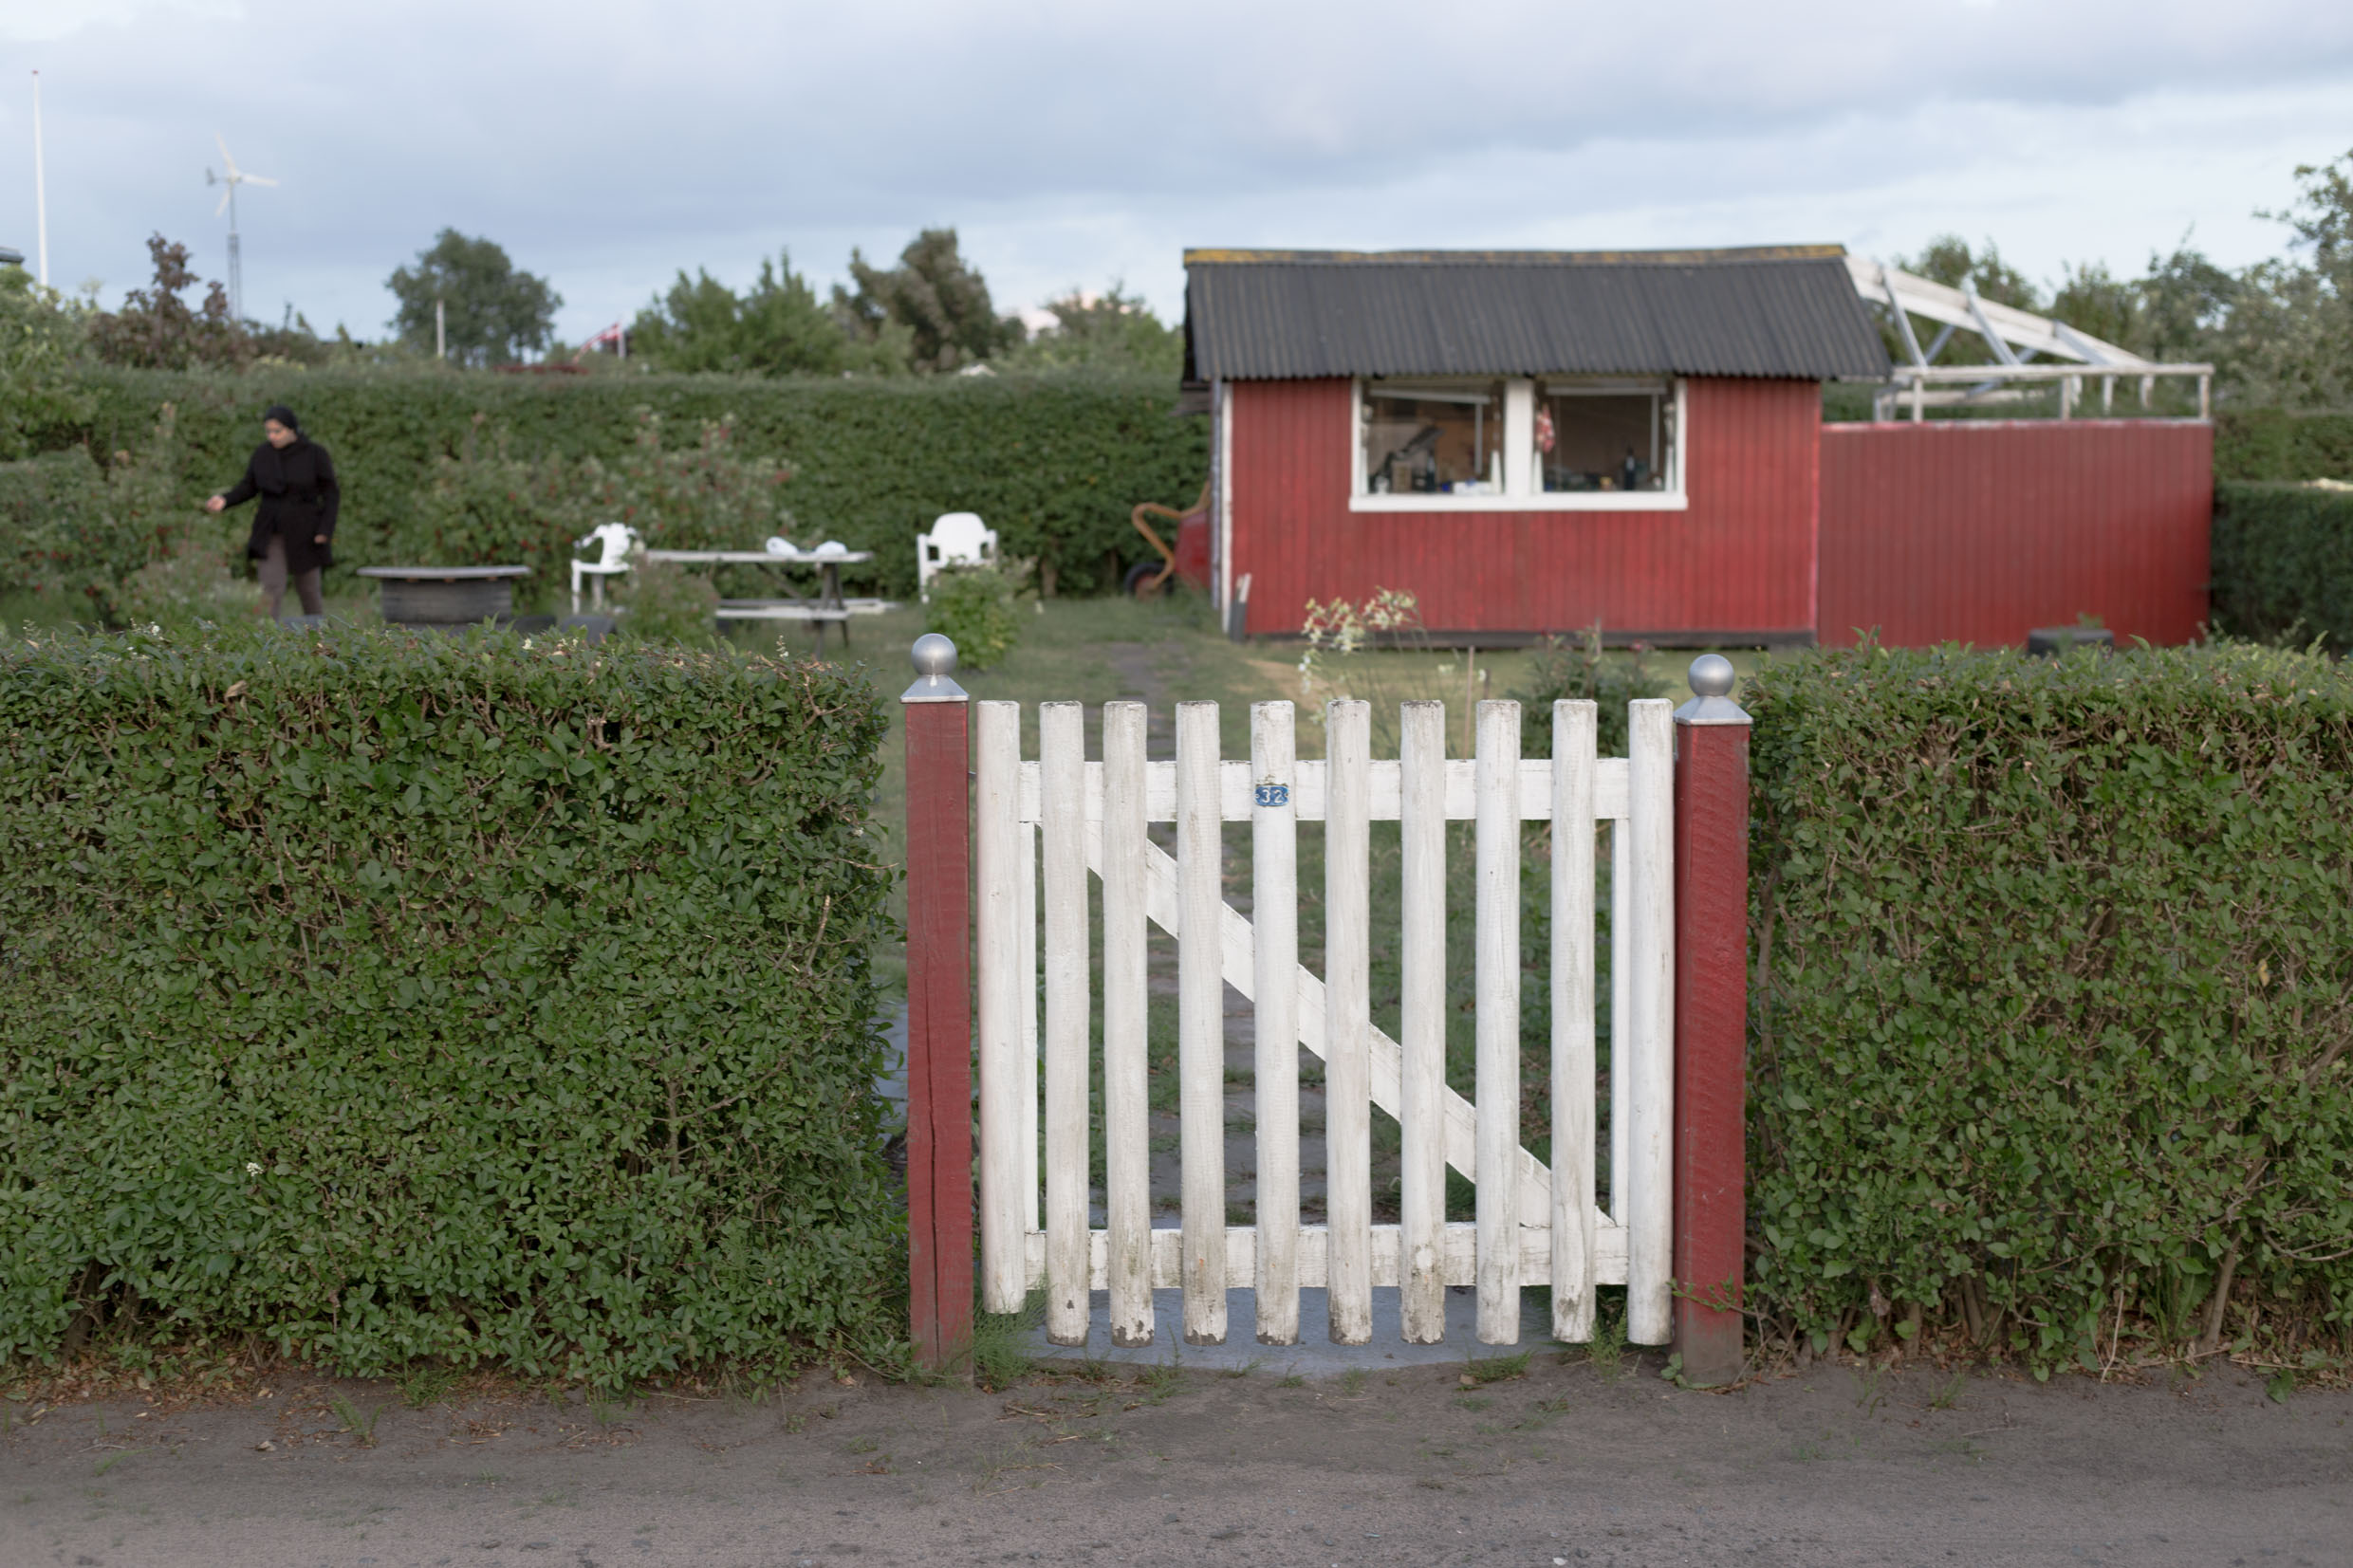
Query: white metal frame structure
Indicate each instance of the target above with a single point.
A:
(2013, 337)
(1538, 1220)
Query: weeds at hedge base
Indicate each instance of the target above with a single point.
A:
(426, 1384)
(1497, 1369)
(1158, 1382)
(362, 1427)
(1000, 1354)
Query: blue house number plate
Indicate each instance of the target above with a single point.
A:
(1274, 794)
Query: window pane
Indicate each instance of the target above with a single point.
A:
(1604, 440)
(1433, 440)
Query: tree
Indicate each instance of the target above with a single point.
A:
(2288, 336)
(1949, 260)
(934, 297)
(493, 311)
(2184, 298)
(155, 329)
(776, 327)
(1102, 331)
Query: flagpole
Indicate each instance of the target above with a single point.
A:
(40, 186)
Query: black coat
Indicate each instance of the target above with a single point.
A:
(299, 502)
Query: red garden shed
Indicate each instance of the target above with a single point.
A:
(1534, 442)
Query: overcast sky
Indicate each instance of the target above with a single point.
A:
(609, 143)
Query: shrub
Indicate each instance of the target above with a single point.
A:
(1564, 670)
(193, 585)
(40, 336)
(489, 507)
(667, 602)
(74, 528)
(2283, 562)
(2056, 991)
(973, 607)
(393, 996)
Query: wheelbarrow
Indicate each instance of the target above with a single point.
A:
(1188, 562)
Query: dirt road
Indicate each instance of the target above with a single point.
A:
(1562, 1465)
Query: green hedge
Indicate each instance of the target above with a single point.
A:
(392, 998)
(2055, 995)
(2272, 443)
(1053, 462)
(2283, 562)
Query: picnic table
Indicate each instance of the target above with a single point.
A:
(827, 608)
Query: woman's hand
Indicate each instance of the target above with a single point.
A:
(318, 539)
(213, 503)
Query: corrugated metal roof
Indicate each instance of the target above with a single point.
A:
(1283, 314)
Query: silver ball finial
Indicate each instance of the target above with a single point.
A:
(934, 656)
(1711, 676)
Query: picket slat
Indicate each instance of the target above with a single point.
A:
(1118, 850)
(1620, 1012)
(1649, 1150)
(1347, 1022)
(1575, 726)
(1201, 1023)
(1274, 929)
(1032, 1046)
(1062, 755)
(996, 747)
(1495, 946)
(1421, 1021)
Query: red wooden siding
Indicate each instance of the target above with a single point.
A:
(1740, 560)
(1973, 531)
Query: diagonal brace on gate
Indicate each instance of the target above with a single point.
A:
(1237, 962)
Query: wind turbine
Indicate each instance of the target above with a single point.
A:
(235, 177)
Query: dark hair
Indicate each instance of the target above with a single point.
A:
(284, 415)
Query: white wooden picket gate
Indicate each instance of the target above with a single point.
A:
(1538, 1222)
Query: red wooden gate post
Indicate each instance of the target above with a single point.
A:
(939, 1009)
(1710, 1021)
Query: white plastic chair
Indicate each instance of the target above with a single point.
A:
(958, 539)
(619, 541)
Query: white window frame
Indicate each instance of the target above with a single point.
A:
(1520, 474)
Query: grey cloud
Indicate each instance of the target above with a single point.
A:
(606, 141)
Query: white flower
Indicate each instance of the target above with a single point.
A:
(252, 1168)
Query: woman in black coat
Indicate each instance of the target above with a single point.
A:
(294, 527)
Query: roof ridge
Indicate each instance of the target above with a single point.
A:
(1731, 254)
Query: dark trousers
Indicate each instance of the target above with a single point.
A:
(273, 583)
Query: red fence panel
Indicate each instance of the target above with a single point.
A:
(1979, 531)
